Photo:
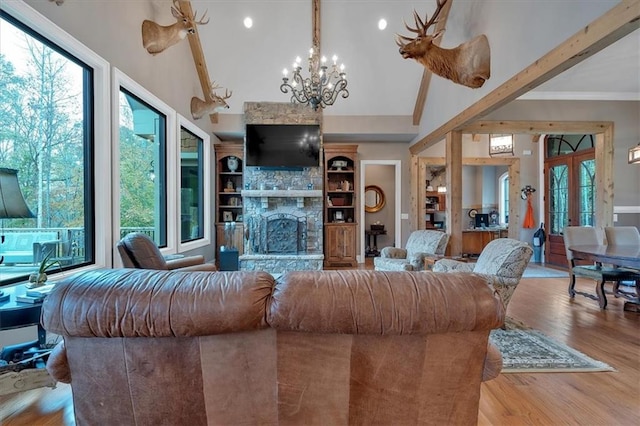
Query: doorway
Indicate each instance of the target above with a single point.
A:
(385, 174)
(570, 189)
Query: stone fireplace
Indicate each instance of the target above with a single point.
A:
(282, 209)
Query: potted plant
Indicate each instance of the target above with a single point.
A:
(37, 279)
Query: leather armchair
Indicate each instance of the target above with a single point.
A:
(139, 251)
(420, 244)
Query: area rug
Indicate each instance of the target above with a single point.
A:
(535, 270)
(529, 351)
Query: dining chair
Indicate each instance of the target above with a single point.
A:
(623, 236)
(587, 235)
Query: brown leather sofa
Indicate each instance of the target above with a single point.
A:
(315, 347)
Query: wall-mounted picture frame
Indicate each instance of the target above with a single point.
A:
(227, 216)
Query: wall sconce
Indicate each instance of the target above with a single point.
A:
(500, 144)
(634, 154)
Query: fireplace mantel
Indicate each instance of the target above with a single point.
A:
(265, 194)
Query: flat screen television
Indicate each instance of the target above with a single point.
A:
(286, 146)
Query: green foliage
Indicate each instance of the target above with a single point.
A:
(47, 263)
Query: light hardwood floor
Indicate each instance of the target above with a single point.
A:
(603, 398)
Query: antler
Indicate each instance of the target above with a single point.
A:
(215, 86)
(201, 21)
(421, 28)
(176, 8)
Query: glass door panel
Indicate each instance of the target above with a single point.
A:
(587, 192)
(558, 204)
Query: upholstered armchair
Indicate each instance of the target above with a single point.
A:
(503, 260)
(420, 244)
(139, 251)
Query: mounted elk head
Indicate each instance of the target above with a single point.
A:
(156, 38)
(468, 64)
(200, 108)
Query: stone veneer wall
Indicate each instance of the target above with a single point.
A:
(308, 178)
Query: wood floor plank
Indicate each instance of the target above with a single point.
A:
(602, 398)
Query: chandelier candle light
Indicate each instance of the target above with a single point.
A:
(323, 85)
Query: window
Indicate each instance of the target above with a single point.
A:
(143, 177)
(51, 90)
(146, 138)
(194, 190)
(504, 198)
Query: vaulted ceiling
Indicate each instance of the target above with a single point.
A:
(382, 84)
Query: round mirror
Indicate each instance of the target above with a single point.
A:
(373, 199)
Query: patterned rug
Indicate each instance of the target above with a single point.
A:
(529, 351)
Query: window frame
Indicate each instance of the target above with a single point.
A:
(99, 139)
(206, 154)
(122, 80)
(503, 192)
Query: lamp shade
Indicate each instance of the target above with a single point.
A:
(12, 204)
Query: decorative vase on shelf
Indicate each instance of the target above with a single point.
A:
(232, 163)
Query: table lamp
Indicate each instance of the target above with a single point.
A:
(12, 204)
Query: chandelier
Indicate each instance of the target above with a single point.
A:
(323, 85)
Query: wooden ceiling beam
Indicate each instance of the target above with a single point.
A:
(536, 127)
(198, 57)
(421, 99)
(621, 20)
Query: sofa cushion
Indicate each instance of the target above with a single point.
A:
(144, 302)
(377, 302)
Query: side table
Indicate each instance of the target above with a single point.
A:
(372, 250)
(28, 373)
(15, 314)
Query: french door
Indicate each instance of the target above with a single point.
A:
(569, 198)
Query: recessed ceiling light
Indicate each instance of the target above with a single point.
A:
(382, 24)
(248, 22)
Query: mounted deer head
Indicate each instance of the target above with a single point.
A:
(156, 38)
(468, 64)
(200, 108)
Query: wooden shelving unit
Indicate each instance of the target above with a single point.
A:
(341, 206)
(434, 202)
(229, 184)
